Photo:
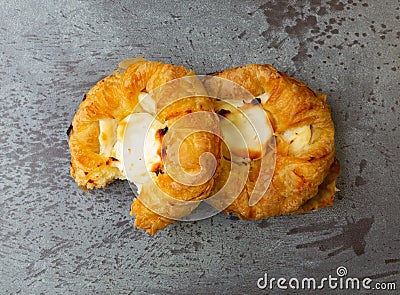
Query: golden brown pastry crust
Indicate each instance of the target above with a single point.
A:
(303, 179)
(115, 97)
(190, 151)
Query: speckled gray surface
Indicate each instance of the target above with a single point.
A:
(56, 239)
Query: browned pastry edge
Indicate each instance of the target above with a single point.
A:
(302, 181)
(115, 97)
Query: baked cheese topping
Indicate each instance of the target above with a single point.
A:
(136, 144)
(246, 129)
(264, 97)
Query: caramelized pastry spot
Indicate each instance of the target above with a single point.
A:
(223, 112)
(159, 138)
(254, 154)
(163, 152)
(263, 97)
(157, 169)
(69, 129)
(84, 97)
(163, 131)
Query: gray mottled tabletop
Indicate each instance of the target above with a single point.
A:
(56, 239)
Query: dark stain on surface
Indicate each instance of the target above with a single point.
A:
(50, 252)
(121, 223)
(336, 5)
(359, 181)
(352, 236)
(393, 260)
(234, 218)
(383, 275)
(313, 228)
(363, 164)
(179, 251)
(241, 35)
(176, 17)
(302, 23)
(281, 12)
(263, 224)
(196, 245)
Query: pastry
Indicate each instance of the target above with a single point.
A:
(112, 121)
(249, 140)
(305, 165)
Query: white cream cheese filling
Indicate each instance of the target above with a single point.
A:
(133, 142)
(136, 144)
(246, 129)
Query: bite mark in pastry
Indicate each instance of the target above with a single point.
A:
(113, 113)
